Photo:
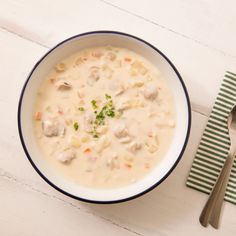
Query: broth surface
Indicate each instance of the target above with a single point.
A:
(104, 117)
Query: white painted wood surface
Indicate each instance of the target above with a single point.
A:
(198, 36)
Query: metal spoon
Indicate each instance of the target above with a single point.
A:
(212, 209)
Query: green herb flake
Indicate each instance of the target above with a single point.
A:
(81, 108)
(107, 96)
(94, 132)
(94, 104)
(110, 103)
(110, 113)
(76, 126)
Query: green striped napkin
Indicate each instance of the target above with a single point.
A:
(214, 145)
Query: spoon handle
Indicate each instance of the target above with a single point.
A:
(215, 218)
(212, 209)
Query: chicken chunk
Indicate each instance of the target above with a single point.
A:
(121, 131)
(94, 75)
(150, 92)
(52, 127)
(66, 156)
(63, 85)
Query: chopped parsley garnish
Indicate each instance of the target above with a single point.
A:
(110, 113)
(81, 108)
(100, 117)
(94, 104)
(107, 96)
(76, 126)
(108, 110)
(94, 132)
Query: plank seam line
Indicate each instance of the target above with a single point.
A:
(23, 37)
(196, 108)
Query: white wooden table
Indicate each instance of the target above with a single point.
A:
(198, 36)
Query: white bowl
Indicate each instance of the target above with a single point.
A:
(68, 47)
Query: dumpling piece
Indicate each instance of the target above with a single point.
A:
(52, 127)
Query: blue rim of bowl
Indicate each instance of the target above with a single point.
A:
(21, 134)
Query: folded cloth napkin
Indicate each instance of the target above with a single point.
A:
(214, 145)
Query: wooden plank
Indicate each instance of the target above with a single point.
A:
(27, 212)
(209, 23)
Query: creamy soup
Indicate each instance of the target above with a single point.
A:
(104, 117)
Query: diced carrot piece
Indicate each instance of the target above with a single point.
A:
(87, 150)
(52, 80)
(147, 165)
(128, 59)
(60, 111)
(128, 165)
(97, 54)
(38, 115)
(81, 102)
